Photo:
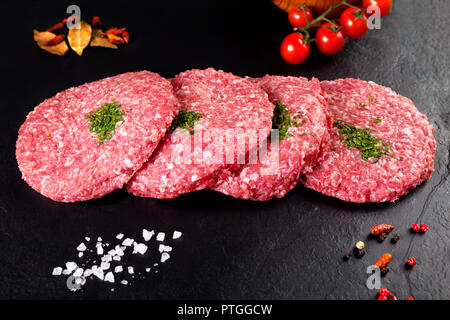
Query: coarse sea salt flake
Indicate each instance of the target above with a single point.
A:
(105, 265)
(107, 258)
(119, 250)
(127, 242)
(87, 272)
(160, 236)
(163, 248)
(57, 271)
(78, 272)
(81, 247)
(147, 235)
(99, 273)
(165, 256)
(119, 236)
(140, 248)
(130, 270)
(70, 266)
(100, 250)
(124, 282)
(118, 269)
(176, 234)
(109, 277)
(80, 254)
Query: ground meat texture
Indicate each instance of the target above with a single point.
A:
(225, 102)
(344, 175)
(298, 152)
(59, 156)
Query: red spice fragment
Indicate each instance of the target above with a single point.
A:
(119, 31)
(384, 260)
(57, 26)
(72, 19)
(126, 37)
(383, 292)
(56, 40)
(381, 228)
(96, 21)
(114, 31)
(109, 31)
(415, 227)
(115, 39)
(424, 228)
(412, 261)
(410, 298)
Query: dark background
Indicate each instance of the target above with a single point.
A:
(284, 249)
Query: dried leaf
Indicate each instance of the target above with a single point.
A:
(99, 41)
(80, 38)
(42, 38)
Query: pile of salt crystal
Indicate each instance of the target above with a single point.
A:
(104, 271)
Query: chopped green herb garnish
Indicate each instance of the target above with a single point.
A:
(371, 99)
(186, 120)
(282, 120)
(362, 105)
(105, 119)
(302, 134)
(377, 121)
(363, 140)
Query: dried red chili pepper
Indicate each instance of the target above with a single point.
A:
(126, 37)
(119, 31)
(56, 40)
(384, 260)
(381, 228)
(57, 26)
(72, 19)
(109, 31)
(115, 39)
(96, 21)
(115, 31)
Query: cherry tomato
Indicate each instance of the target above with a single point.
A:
(294, 49)
(385, 5)
(297, 17)
(354, 23)
(329, 42)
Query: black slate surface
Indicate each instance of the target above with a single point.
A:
(284, 249)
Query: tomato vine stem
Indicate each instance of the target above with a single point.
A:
(324, 15)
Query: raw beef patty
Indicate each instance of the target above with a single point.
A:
(303, 145)
(225, 102)
(382, 163)
(60, 157)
